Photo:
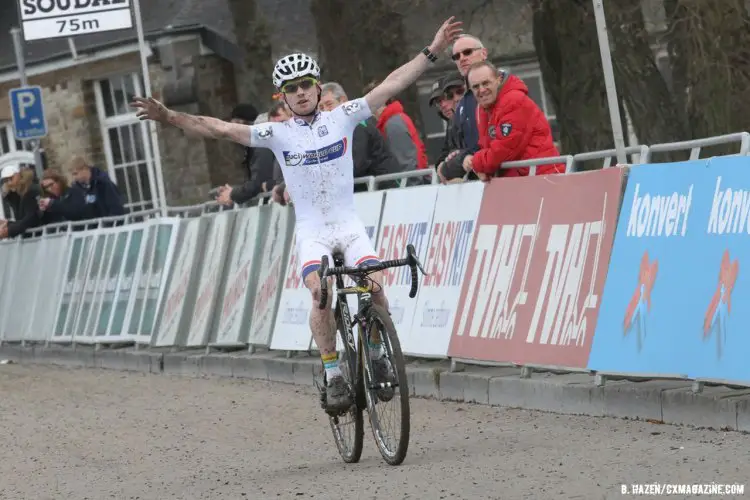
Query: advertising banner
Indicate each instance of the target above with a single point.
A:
(536, 269)
(151, 277)
(272, 259)
(215, 249)
(451, 234)
(240, 282)
(678, 279)
(174, 321)
(407, 218)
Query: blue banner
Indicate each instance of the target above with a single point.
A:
(677, 289)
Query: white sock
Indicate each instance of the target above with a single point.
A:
(331, 365)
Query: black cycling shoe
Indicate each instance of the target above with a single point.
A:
(338, 396)
(383, 373)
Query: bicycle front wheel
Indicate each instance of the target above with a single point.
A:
(387, 400)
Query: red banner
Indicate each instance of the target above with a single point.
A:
(537, 267)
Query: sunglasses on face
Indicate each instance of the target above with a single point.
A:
(465, 52)
(304, 84)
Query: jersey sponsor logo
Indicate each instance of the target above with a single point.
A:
(351, 107)
(322, 155)
(322, 131)
(492, 131)
(265, 133)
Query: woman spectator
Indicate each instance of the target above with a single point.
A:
(61, 201)
(23, 197)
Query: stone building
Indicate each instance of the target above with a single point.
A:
(88, 81)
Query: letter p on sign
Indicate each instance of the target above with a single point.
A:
(27, 110)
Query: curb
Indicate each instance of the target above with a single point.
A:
(667, 401)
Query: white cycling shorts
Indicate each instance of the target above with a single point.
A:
(349, 238)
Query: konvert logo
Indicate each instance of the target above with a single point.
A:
(720, 306)
(640, 303)
(314, 157)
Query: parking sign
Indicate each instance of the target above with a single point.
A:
(28, 113)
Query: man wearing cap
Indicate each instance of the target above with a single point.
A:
(447, 92)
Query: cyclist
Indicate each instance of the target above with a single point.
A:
(314, 151)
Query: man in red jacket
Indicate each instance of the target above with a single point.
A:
(511, 125)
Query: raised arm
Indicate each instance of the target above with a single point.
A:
(204, 126)
(407, 74)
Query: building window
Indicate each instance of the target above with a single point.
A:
(8, 142)
(127, 143)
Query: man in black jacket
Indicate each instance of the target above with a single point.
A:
(447, 92)
(103, 199)
(262, 166)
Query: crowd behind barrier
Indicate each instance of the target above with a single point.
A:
(632, 270)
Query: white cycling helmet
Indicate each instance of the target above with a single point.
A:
(294, 66)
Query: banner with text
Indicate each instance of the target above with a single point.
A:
(536, 269)
(450, 236)
(675, 281)
(240, 283)
(271, 261)
(407, 218)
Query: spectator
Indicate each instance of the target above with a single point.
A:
(101, 194)
(446, 93)
(23, 197)
(246, 115)
(263, 168)
(62, 202)
(511, 125)
(401, 134)
(467, 50)
(370, 153)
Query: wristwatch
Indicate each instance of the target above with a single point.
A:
(432, 57)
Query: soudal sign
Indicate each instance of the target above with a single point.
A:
(536, 269)
(43, 19)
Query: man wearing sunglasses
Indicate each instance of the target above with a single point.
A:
(466, 51)
(315, 154)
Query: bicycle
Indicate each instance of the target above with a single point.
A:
(356, 363)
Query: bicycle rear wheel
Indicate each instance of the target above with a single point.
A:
(348, 427)
(391, 434)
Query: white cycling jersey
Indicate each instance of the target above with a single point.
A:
(316, 160)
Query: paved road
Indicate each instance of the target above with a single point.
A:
(89, 434)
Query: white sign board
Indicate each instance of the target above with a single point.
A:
(42, 19)
(407, 218)
(453, 225)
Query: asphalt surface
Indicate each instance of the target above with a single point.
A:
(95, 434)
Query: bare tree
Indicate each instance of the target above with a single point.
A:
(251, 31)
(641, 86)
(565, 37)
(709, 48)
(362, 41)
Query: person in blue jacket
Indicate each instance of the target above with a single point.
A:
(103, 199)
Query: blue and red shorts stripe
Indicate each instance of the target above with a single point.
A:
(367, 260)
(309, 267)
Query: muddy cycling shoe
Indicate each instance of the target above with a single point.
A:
(338, 396)
(383, 373)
